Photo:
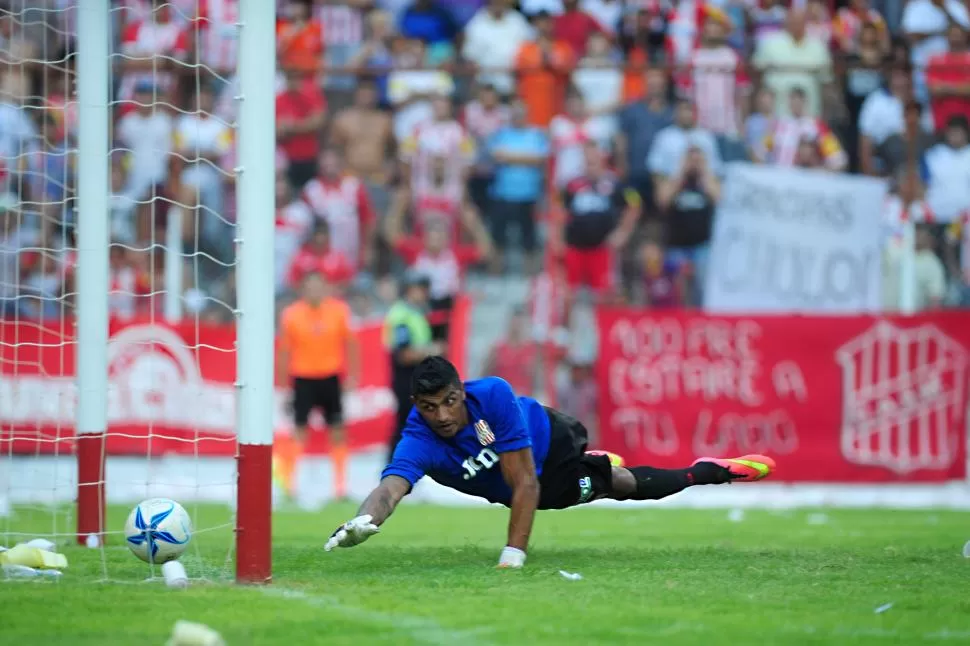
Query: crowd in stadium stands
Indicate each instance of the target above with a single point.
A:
(457, 134)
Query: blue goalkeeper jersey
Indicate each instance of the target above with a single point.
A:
(499, 422)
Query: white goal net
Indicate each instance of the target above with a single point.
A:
(171, 389)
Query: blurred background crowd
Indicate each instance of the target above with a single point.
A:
(541, 155)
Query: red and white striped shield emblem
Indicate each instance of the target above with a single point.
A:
(904, 395)
(484, 432)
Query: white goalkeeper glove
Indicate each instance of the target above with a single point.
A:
(353, 532)
(511, 557)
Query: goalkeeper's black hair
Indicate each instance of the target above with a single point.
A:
(433, 375)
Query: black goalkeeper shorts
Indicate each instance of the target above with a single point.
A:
(570, 477)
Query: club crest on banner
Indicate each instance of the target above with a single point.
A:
(484, 432)
(904, 398)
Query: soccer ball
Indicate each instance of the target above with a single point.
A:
(158, 530)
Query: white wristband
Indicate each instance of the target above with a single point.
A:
(511, 557)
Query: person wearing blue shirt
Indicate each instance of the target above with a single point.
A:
(427, 20)
(480, 438)
(521, 153)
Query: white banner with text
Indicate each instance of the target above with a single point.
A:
(791, 240)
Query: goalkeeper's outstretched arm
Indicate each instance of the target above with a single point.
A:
(380, 503)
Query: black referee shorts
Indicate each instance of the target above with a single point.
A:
(570, 477)
(324, 394)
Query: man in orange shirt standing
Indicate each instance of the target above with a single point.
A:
(543, 67)
(317, 349)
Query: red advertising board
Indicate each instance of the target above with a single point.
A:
(832, 399)
(171, 388)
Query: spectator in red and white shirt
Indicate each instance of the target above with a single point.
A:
(301, 111)
(318, 256)
(132, 11)
(717, 81)
(294, 222)
(948, 78)
(608, 13)
(439, 198)
(218, 35)
(341, 199)
(906, 204)
(152, 49)
(782, 143)
(568, 133)
(343, 37)
(444, 264)
(549, 304)
(548, 311)
(442, 136)
(684, 30)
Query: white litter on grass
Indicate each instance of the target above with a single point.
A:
(736, 515)
(187, 633)
(175, 575)
(883, 608)
(966, 550)
(817, 519)
(572, 576)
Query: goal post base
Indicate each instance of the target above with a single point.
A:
(253, 512)
(90, 487)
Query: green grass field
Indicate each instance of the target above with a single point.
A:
(649, 577)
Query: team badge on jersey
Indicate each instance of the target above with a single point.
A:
(484, 432)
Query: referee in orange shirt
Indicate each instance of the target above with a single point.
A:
(318, 352)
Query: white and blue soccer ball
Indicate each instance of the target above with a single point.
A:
(158, 530)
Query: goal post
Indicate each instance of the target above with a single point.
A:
(102, 342)
(93, 90)
(255, 289)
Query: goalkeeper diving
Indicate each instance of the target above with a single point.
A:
(479, 438)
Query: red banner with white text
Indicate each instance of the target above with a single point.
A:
(170, 389)
(832, 399)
